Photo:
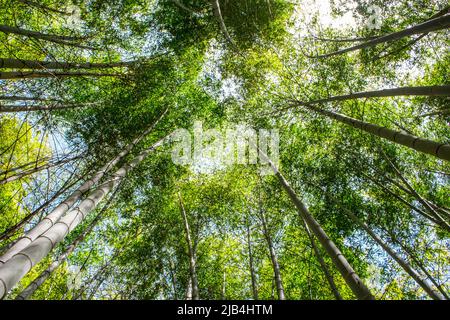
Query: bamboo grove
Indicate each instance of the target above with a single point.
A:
(92, 205)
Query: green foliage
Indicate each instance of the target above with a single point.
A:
(182, 62)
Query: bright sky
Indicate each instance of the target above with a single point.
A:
(307, 10)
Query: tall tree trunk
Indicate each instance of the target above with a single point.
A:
(273, 256)
(357, 39)
(250, 259)
(412, 191)
(43, 8)
(22, 98)
(439, 150)
(35, 64)
(97, 286)
(34, 34)
(188, 295)
(16, 108)
(31, 163)
(44, 275)
(218, 14)
(444, 211)
(100, 277)
(360, 39)
(322, 263)
(102, 271)
(63, 40)
(430, 91)
(424, 283)
(440, 23)
(21, 263)
(37, 169)
(402, 200)
(435, 113)
(351, 278)
(173, 278)
(191, 252)
(407, 45)
(419, 263)
(272, 292)
(224, 285)
(440, 13)
(50, 220)
(44, 74)
(179, 4)
(10, 231)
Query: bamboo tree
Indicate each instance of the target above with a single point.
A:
(50, 220)
(34, 34)
(439, 150)
(44, 275)
(224, 285)
(63, 40)
(316, 150)
(173, 278)
(22, 98)
(436, 113)
(351, 278)
(436, 24)
(8, 233)
(273, 255)
(412, 191)
(31, 163)
(50, 107)
(188, 294)
(408, 190)
(42, 7)
(424, 283)
(35, 64)
(38, 169)
(100, 277)
(218, 14)
(429, 91)
(43, 74)
(405, 202)
(193, 282)
(418, 263)
(360, 39)
(179, 4)
(100, 274)
(22, 262)
(251, 263)
(356, 39)
(322, 263)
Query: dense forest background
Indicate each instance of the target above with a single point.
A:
(93, 207)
